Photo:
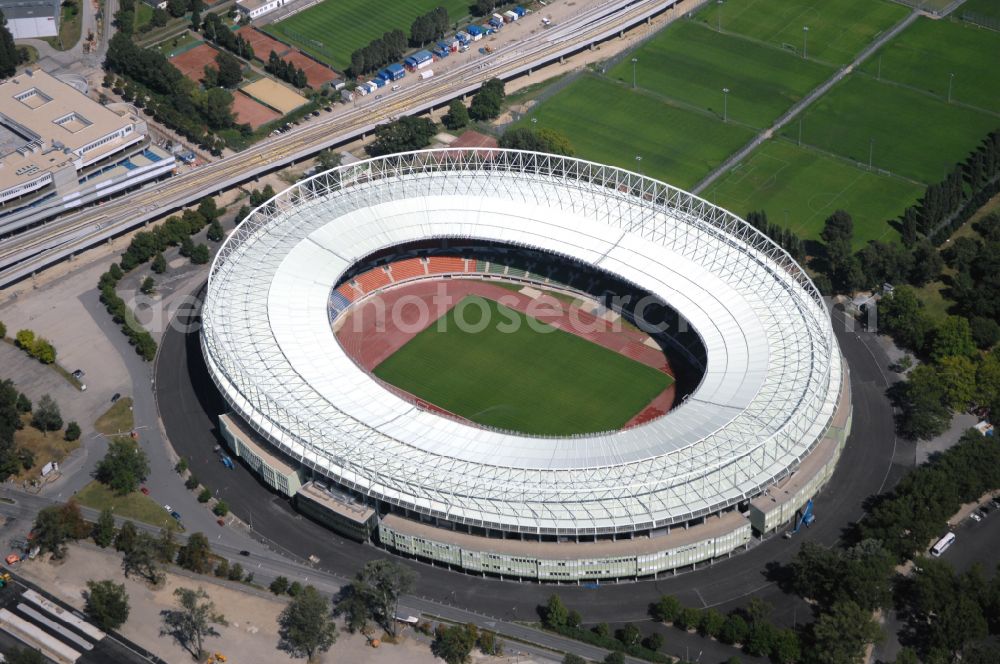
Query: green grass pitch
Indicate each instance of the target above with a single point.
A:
(612, 124)
(838, 29)
(912, 133)
(691, 63)
(333, 29)
(536, 381)
(926, 54)
(800, 188)
(988, 8)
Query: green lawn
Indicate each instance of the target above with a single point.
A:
(535, 379)
(910, 133)
(117, 419)
(800, 188)
(70, 24)
(332, 30)
(692, 63)
(926, 54)
(135, 506)
(838, 29)
(988, 8)
(143, 14)
(612, 124)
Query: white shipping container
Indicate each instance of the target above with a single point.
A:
(424, 75)
(425, 63)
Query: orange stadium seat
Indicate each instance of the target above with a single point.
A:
(373, 279)
(407, 269)
(445, 264)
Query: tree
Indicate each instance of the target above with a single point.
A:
(46, 416)
(200, 255)
(208, 209)
(215, 105)
(454, 643)
(666, 609)
(107, 604)
(204, 496)
(901, 315)
(148, 286)
(614, 657)
(56, 525)
(24, 656)
(407, 133)
(457, 115)
(23, 403)
(8, 50)
(193, 621)
(734, 630)
(279, 586)
(166, 546)
(952, 337)
(142, 558)
(215, 232)
(72, 432)
(24, 339)
(570, 658)
(711, 623)
(555, 614)
(924, 404)
(230, 70)
(220, 508)
(842, 265)
(488, 102)
(841, 635)
(958, 379)
(688, 618)
(177, 8)
(654, 641)
(629, 635)
(294, 589)
(383, 581)
(785, 647)
(542, 140)
(124, 466)
(327, 160)
(125, 539)
(104, 529)
(351, 603)
(196, 554)
(236, 572)
(306, 625)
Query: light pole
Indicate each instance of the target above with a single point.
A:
(871, 150)
(634, 61)
(805, 41)
(951, 79)
(638, 163)
(718, 15)
(725, 105)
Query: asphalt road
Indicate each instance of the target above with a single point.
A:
(189, 403)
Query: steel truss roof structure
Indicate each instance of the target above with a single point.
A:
(772, 374)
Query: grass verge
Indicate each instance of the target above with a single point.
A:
(117, 419)
(135, 506)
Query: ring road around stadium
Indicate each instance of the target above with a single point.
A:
(742, 450)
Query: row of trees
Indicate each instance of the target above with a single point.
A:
(558, 618)
(45, 416)
(286, 70)
(428, 27)
(37, 347)
(11, 55)
(783, 237)
(216, 31)
(257, 197)
(378, 53)
(540, 140)
(138, 336)
(454, 643)
(227, 72)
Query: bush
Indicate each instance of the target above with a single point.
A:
(711, 623)
(734, 630)
(204, 496)
(688, 618)
(222, 569)
(236, 572)
(3, 330)
(200, 255)
(221, 508)
(294, 589)
(72, 431)
(279, 586)
(191, 483)
(666, 609)
(181, 465)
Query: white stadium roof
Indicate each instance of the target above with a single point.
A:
(767, 396)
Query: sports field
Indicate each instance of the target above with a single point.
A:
(333, 29)
(838, 29)
(610, 123)
(909, 132)
(928, 52)
(691, 63)
(520, 376)
(800, 188)
(987, 8)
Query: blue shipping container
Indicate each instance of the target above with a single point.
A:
(520, 11)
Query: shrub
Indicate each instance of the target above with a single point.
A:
(191, 483)
(221, 508)
(711, 623)
(734, 630)
(222, 569)
(280, 586)
(666, 609)
(204, 496)
(294, 589)
(72, 431)
(181, 465)
(688, 618)
(3, 331)
(236, 572)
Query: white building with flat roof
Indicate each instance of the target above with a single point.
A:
(256, 8)
(30, 19)
(59, 148)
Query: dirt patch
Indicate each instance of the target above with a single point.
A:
(192, 62)
(252, 112)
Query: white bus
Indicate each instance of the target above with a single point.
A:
(943, 544)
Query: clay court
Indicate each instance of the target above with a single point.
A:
(192, 62)
(317, 74)
(252, 112)
(262, 44)
(279, 97)
(376, 328)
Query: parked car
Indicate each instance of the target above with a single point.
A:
(145, 491)
(115, 397)
(78, 374)
(176, 515)
(975, 516)
(168, 508)
(244, 552)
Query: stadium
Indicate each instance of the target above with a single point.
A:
(688, 397)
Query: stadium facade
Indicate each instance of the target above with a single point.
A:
(754, 440)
